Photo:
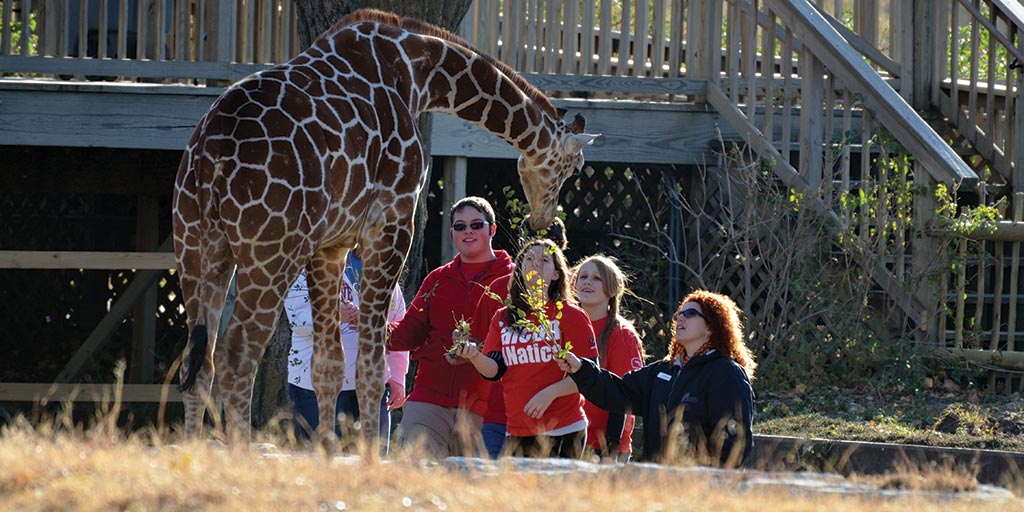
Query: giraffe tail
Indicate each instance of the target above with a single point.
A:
(194, 359)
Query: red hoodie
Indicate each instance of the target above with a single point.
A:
(445, 296)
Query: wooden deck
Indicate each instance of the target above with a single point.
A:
(148, 116)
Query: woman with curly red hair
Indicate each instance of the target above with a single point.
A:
(699, 394)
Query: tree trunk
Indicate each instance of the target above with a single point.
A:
(269, 394)
(316, 16)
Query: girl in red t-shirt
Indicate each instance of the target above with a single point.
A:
(543, 407)
(600, 285)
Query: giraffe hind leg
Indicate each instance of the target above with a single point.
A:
(258, 306)
(204, 290)
(324, 277)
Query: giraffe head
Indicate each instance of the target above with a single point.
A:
(543, 172)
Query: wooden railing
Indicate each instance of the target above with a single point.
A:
(976, 83)
(226, 39)
(789, 63)
(184, 39)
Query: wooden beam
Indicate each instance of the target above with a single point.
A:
(163, 117)
(941, 162)
(91, 260)
(1004, 360)
(133, 68)
(55, 393)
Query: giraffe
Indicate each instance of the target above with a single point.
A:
(296, 164)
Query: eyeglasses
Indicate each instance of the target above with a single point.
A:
(476, 225)
(689, 313)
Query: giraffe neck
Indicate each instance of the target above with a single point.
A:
(434, 74)
(481, 94)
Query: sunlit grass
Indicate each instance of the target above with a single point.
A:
(57, 466)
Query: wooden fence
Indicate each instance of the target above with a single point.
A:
(221, 39)
(984, 320)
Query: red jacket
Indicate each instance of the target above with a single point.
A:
(426, 330)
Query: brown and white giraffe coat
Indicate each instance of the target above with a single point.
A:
(294, 165)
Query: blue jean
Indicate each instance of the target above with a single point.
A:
(304, 405)
(494, 438)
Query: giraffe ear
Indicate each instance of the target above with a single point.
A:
(574, 143)
(579, 124)
(562, 111)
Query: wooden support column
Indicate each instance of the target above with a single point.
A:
(929, 262)
(147, 226)
(1018, 134)
(811, 137)
(454, 189)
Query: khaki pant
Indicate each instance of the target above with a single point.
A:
(441, 431)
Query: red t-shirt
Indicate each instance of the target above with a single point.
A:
(622, 356)
(485, 310)
(531, 367)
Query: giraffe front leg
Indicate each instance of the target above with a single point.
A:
(324, 276)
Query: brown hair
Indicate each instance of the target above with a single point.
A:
(722, 316)
(477, 203)
(558, 290)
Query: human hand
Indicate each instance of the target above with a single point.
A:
(569, 364)
(539, 404)
(397, 398)
(349, 313)
(454, 360)
(468, 351)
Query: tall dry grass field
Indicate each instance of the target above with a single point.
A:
(60, 467)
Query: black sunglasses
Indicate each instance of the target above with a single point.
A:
(689, 313)
(476, 225)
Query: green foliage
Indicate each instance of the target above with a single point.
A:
(964, 221)
(16, 26)
(990, 52)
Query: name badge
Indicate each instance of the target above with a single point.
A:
(664, 376)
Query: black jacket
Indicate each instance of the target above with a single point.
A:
(713, 388)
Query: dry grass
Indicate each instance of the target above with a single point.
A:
(54, 467)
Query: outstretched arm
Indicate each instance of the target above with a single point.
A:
(603, 388)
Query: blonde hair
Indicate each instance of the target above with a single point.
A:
(722, 316)
(615, 286)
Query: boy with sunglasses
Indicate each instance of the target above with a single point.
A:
(445, 410)
(697, 402)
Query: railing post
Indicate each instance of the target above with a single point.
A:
(811, 113)
(917, 75)
(220, 30)
(703, 60)
(1018, 130)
